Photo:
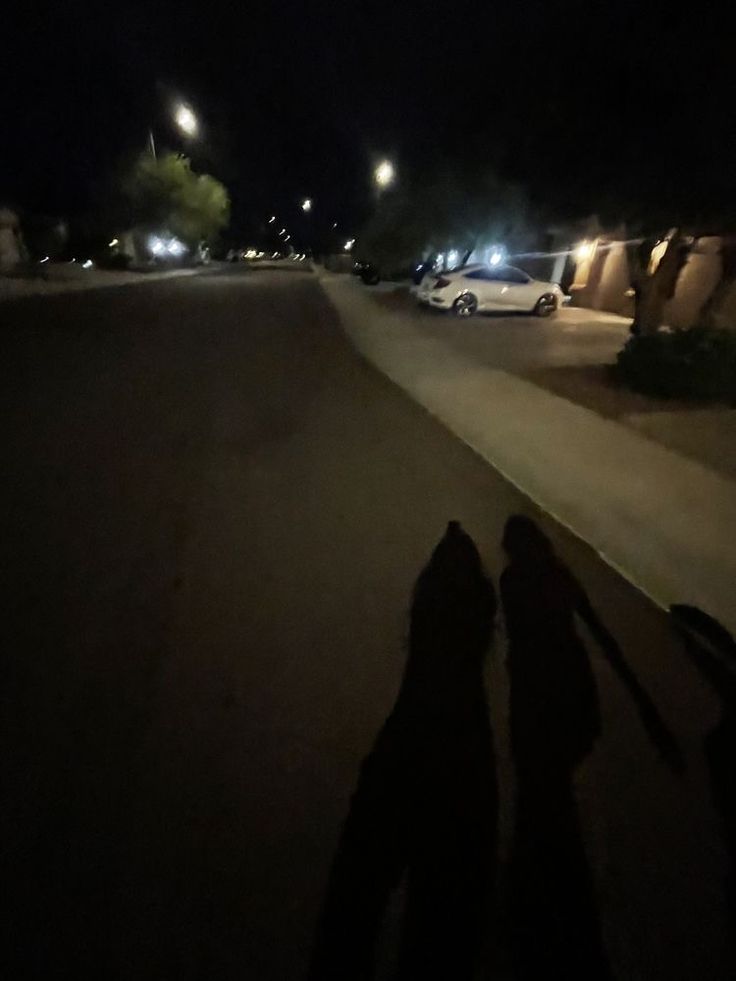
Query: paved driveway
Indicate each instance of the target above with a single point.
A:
(572, 336)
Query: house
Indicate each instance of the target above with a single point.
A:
(12, 249)
(600, 277)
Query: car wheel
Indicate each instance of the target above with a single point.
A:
(370, 275)
(546, 305)
(465, 305)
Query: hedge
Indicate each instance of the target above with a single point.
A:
(694, 363)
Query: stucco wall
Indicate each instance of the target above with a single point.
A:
(697, 280)
(608, 281)
(614, 281)
(10, 241)
(726, 314)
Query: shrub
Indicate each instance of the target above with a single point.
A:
(696, 363)
(113, 260)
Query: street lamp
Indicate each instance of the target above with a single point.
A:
(384, 174)
(584, 251)
(307, 204)
(349, 244)
(186, 120)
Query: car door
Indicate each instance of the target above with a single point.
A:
(485, 285)
(515, 292)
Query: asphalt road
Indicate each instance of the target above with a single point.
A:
(214, 514)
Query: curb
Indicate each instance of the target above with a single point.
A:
(54, 287)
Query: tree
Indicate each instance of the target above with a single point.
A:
(442, 209)
(165, 193)
(654, 282)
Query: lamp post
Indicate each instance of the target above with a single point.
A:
(384, 174)
(186, 122)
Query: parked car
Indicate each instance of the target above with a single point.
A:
(367, 272)
(480, 287)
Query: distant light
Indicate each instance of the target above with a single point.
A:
(272, 219)
(251, 254)
(45, 259)
(452, 257)
(440, 260)
(112, 244)
(349, 244)
(175, 247)
(384, 174)
(274, 255)
(307, 204)
(72, 260)
(87, 264)
(186, 120)
(282, 232)
(495, 257)
(156, 245)
(584, 251)
(334, 224)
(287, 238)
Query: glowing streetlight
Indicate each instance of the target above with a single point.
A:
(307, 204)
(349, 244)
(385, 174)
(282, 232)
(272, 219)
(584, 251)
(186, 120)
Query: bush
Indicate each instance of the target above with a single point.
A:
(696, 363)
(113, 260)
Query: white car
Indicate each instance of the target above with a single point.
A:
(480, 287)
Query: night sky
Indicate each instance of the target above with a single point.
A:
(621, 108)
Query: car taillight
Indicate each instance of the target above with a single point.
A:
(441, 283)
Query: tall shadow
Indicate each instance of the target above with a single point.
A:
(713, 650)
(425, 806)
(555, 720)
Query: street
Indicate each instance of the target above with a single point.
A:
(215, 513)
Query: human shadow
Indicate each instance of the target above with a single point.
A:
(713, 650)
(426, 802)
(555, 721)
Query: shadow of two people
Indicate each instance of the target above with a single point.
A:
(713, 650)
(426, 802)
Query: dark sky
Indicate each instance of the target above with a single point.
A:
(622, 107)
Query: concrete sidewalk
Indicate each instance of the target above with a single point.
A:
(664, 521)
(77, 278)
